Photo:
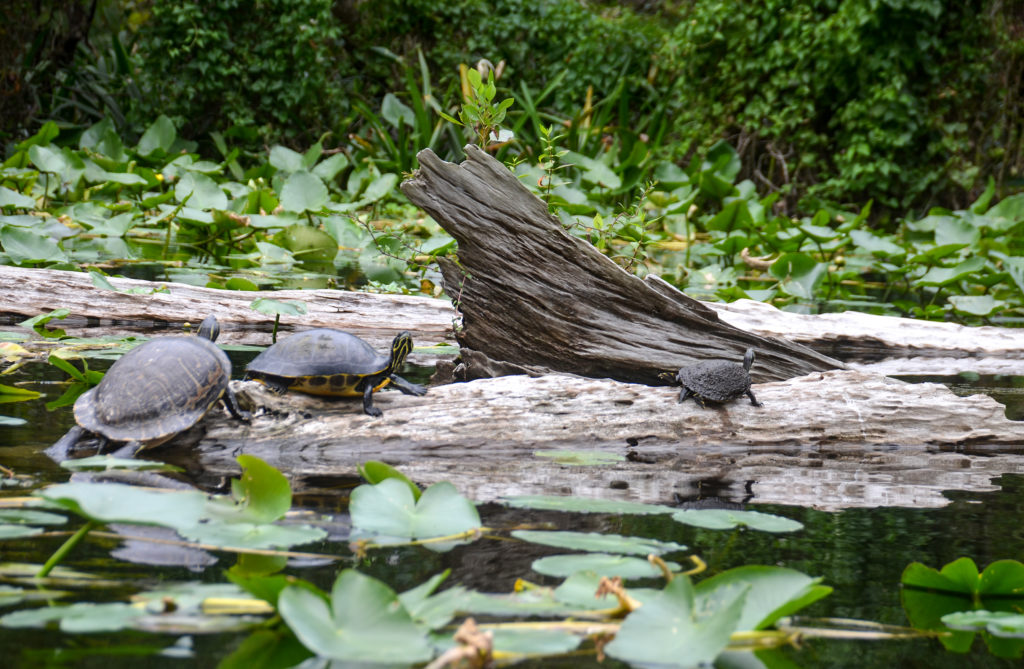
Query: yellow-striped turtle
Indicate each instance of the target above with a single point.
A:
(159, 389)
(717, 380)
(333, 363)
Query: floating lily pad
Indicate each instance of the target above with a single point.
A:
(365, 622)
(564, 457)
(583, 505)
(678, 629)
(78, 618)
(773, 592)
(724, 519)
(389, 512)
(120, 503)
(603, 564)
(109, 462)
(598, 543)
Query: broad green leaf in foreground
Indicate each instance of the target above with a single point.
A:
(375, 471)
(677, 629)
(389, 511)
(303, 191)
(598, 543)
(773, 592)
(120, 503)
(725, 519)
(365, 622)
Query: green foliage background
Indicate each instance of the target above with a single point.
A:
(910, 103)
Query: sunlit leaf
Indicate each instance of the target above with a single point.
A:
(598, 543)
(262, 492)
(998, 623)
(583, 505)
(303, 191)
(201, 191)
(265, 305)
(28, 246)
(15, 394)
(724, 519)
(109, 463)
(77, 618)
(603, 564)
(158, 138)
(365, 622)
(18, 531)
(773, 592)
(120, 503)
(976, 305)
(675, 629)
(581, 458)
(286, 159)
(388, 511)
(943, 276)
(375, 471)
(329, 168)
(12, 198)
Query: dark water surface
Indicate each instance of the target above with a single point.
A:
(860, 552)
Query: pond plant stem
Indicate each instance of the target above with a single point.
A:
(65, 548)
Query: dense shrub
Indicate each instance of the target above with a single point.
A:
(847, 100)
(273, 65)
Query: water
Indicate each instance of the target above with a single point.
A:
(860, 552)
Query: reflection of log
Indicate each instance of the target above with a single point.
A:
(530, 294)
(376, 318)
(482, 436)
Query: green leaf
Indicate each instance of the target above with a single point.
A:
(378, 188)
(262, 492)
(158, 138)
(28, 246)
(375, 471)
(395, 112)
(997, 623)
(201, 191)
(1015, 267)
(78, 618)
(725, 519)
(120, 503)
(976, 305)
(11, 421)
(583, 505)
(110, 463)
(364, 623)
(38, 323)
(535, 641)
(265, 305)
(675, 629)
(285, 159)
(388, 511)
(943, 276)
(979, 205)
(951, 230)
(734, 216)
(773, 592)
(876, 245)
(329, 168)
(598, 543)
(603, 564)
(243, 535)
(12, 198)
(241, 283)
(581, 458)
(15, 394)
(303, 191)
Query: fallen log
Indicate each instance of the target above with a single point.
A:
(376, 318)
(530, 294)
(483, 436)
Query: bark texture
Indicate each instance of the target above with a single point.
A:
(530, 294)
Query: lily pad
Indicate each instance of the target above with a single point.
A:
(365, 622)
(773, 592)
(388, 511)
(598, 543)
(676, 629)
(725, 519)
(603, 564)
(583, 505)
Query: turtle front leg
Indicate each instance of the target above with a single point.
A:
(407, 387)
(368, 407)
(684, 394)
(753, 400)
(231, 402)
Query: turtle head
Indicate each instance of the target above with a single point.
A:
(209, 328)
(400, 348)
(748, 359)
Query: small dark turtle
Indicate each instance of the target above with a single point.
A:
(158, 390)
(717, 380)
(333, 363)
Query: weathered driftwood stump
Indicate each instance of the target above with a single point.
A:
(530, 294)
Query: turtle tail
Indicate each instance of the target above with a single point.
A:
(400, 348)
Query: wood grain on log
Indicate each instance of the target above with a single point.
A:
(482, 436)
(531, 294)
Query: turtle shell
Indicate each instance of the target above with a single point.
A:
(322, 361)
(156, 390)
(715, 380)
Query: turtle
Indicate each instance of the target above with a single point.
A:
(716, 380)
(157, 390)
(333, 363)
